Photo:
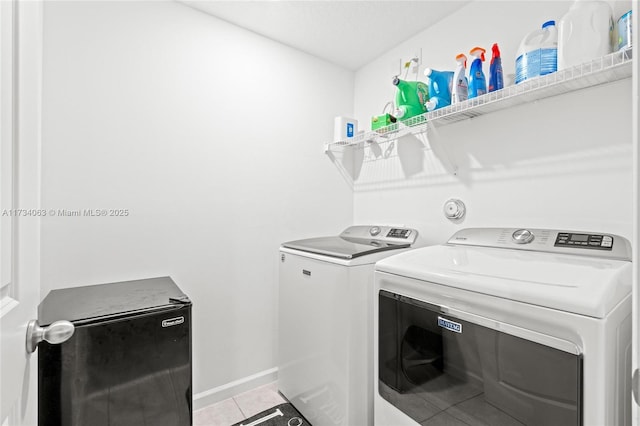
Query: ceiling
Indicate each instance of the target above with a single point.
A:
(347, 33)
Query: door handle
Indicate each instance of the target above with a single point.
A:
(56, 333)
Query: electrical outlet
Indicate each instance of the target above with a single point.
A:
(417, 53)
(413, 61)
(417, 61)
(395, 68)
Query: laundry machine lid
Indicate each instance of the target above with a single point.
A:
(357, 241)
(586, 285)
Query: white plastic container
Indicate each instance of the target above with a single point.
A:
(538, 53)
(459, 86)
(345, 129)
(585, 32)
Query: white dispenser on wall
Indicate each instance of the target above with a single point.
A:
(584, 33)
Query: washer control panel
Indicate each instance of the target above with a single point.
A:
(399, 233)
(546, 240)
(585, 241)
(381, 233)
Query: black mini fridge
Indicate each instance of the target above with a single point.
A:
(128, 362)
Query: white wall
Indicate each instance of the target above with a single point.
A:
(211, 137)
(562, 162)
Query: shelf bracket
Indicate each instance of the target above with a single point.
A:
(439, 149)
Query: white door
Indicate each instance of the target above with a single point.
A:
(635, 108)
(20, 84)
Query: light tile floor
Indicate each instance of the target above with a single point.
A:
(239, 407)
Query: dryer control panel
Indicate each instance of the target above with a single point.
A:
(587, 241)
(546, 240)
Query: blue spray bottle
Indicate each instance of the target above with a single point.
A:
(439, 88)
(477, 81)
(496, 80)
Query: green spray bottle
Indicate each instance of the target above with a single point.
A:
(411, 97)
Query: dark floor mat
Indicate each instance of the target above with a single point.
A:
(280, 415)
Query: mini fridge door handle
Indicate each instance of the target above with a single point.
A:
(56, 333)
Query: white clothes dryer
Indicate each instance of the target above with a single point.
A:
(325, 359)
(505, 327)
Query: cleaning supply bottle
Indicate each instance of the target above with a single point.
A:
(411, 97)
(538, 53)
(585, 32)
(477, 80)
(623, 32)
(439, 88)
(460, 88)
(549, 49)
(496, 80)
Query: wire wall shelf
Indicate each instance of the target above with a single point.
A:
(613, 67)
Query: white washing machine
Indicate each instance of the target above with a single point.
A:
(505, 327)
(325, 359)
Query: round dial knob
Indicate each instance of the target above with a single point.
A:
(522, 236)
(374, 231)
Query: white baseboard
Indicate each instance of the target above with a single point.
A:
(217, 394)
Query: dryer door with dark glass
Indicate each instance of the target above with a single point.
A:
(439, 369)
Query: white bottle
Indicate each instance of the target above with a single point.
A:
(585, 32)
(344, 129)
(460, 87)
(538, 53)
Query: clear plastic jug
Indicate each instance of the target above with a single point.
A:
(538, 53)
